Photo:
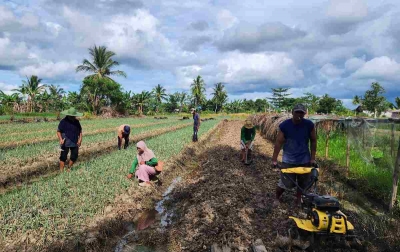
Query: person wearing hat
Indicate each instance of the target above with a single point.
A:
(247, 135)
(123, 133)
(69, 134)
(294, 135)
(196, 124)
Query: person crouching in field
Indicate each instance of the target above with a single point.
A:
(144, 165)
(69, 134)
(247, 135)
(123, 133)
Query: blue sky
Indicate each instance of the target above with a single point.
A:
(337, 47)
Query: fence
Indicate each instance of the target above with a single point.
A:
(368, 150)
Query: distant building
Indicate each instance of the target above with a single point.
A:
(393, 114)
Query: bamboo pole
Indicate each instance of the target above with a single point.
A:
(396, 171)
(392, 142)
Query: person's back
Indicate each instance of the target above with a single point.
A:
(297, 137)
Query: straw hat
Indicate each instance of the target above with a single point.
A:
(248, 124)
(71, 112)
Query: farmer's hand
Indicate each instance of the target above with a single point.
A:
(79, 143)
(142, 163)
(129, 176)
(313, 163)
(274, 164)
(62, 141)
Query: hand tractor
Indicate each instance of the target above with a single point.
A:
(325, 225)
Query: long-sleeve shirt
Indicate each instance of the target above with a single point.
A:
(152, 162)
(247, 134)
(120, 130)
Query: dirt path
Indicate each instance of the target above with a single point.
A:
(222, 201)
(225, 202)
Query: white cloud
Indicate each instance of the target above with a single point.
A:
(50, 69)
(225, 19)
(331, 71)
(29, 20)
(354, 63)
(12, 53)
(380, 68)
(6, 88)
(6, 16)
(347, 10)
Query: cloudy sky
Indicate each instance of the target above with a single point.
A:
(337, 47)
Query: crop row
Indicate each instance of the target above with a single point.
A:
(56, 208)
(43, 133)
(16, 128)
(18, 172)
(44, 136)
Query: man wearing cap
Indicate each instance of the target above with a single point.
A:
(69, 134)
(123, 133)
(196, 124)
(247, 135)
(294, 135)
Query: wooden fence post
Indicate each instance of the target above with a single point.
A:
(392, 153)
(396, 171)
(348, 148)
(327, 143)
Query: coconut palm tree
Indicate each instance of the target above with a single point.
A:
(219, 95)
(183, 97)
(31, 87)
(56, 91)
(141, 100)
(101, 64)
(198, 88)
(159, 94)
(101, 70)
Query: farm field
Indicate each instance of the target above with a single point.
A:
(21, 163)
(55, 208)
(209, 191)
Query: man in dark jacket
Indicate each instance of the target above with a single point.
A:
(69, 134)
(196, 124)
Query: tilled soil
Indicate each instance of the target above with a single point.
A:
(227, 202)
(223, 202)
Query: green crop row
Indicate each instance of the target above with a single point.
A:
(33, 152)
(58, 207)
(38, 132)
(370, 161)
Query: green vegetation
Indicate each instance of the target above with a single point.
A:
(370, 168)
(36, 150)
(59, 206)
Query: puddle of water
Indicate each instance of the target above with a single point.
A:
(145, 220)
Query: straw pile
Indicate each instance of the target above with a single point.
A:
(268, 124)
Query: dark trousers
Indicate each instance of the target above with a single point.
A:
(126, 141)
(195, 130)
(64, 153)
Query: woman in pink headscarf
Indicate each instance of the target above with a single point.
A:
(144, 164)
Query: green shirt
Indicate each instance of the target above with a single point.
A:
(247, 134)
(152, 162)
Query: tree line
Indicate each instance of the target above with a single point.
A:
(99, 90)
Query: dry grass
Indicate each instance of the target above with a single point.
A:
(268, 124)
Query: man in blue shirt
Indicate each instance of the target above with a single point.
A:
(196, 124)
(295, 134)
